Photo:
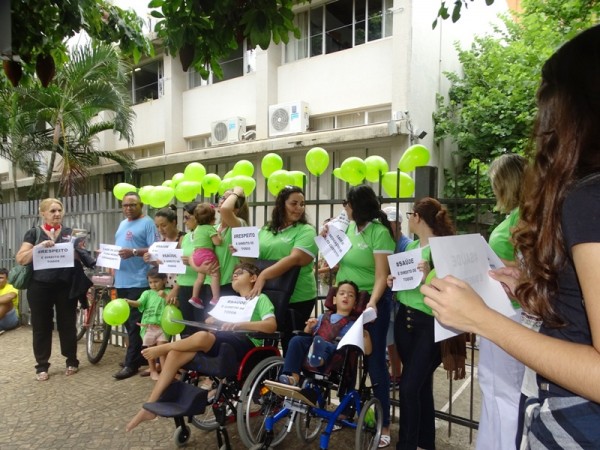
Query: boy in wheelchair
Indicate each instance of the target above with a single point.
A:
(318, 348)
(179, 353)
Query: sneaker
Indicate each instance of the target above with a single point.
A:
(196, 302)
(214, 301)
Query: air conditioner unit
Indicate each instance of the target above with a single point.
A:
(227, 131)
(288, 118)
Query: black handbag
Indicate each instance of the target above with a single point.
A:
(20, 276)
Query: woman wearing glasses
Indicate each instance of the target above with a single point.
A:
(366, 264)
(290, 239)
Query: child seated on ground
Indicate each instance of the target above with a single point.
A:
(179, 353)
(152, 304)
(319, 348)
(204, 238)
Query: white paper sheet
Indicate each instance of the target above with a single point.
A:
(170, 261)
(234, 309)
(109, 256)
(403, 266)
(354, 336)
(333, 246)
(156, 247)
(341, 222)
(466, 258)
(60, 255)
(245, 241)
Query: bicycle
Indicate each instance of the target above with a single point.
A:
(91, 323)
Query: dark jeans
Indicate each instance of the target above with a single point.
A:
(298, 314)
(296, 354)
(43, 298)
(414, 336)
(133, 356)
(378, 369)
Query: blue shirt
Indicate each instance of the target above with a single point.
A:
(402, 243)
(139, 233)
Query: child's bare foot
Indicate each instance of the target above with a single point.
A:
(155, 351)
(142, 416)
(154, 375)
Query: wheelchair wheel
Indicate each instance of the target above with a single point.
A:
(98, 335)
(181, 435)
(368, 427)
(257, 402)
(308, 427)
(206, 421)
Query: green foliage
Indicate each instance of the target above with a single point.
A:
(491, 105)
(205, 32)
(444, 13)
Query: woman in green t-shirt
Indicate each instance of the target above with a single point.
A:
(290, 240)
(414, 334)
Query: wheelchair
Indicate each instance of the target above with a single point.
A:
(185, 401)
(306, 406)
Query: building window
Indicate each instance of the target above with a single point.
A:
(338, 26)
(147, 82)
(240, 62)
(350, 119)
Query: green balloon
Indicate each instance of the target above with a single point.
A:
(414, 156)
(186, 191)
(337, 172)
(210, 183)
(247, 183)
(167, 183)
(243, 167)
(161, 196)
(270, 163)
(177, 178)
(194, 171)
(229, 174)
(317, 161)
(390, 184)
(376, 166)
(121, 189)
(166, 321)
(116, 312)
(354, 170)
(298, 177)
(144, 194)
(225, 185)
(278, 180)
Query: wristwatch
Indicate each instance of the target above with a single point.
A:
(135, 252)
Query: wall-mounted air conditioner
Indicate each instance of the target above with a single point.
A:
(227, 131)
(288, 118)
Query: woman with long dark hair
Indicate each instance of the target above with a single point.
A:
(559, 240)
(366, 264)
(414, 334)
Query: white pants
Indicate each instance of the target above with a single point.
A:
(500, 378)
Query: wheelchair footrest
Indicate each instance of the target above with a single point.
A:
(179, 400)
(304, 395)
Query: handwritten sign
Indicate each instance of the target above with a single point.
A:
(341, 222)
(234, 309)
(466, 258)
(354, 336)
(245, 241)
(170, 261)
(157, 248)
(109, 256)
(403, 266)
(333, 246)
(61, 255)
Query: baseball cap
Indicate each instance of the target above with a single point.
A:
(393, 214)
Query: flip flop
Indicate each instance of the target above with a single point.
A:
(384, 441)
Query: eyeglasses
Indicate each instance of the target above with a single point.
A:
(130, 205)
(408, 214)
(344, 203)
(239, 273)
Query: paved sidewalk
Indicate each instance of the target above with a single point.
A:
(90, 409)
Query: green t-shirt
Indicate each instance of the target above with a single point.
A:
(201, 236)
(151, 306)
(413, 297)
(500, 237)
(190, 275)
(280, 245)
(358, 264)
(227, 261)
(263, 310)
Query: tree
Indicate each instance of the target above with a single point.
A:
(491, 104)
(202, 33)
(94, 81)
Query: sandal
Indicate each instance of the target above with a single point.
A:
(42, 376)
(288, 379)
(71, 370)
(384, 441)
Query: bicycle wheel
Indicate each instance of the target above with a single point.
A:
(81, 319)
(98, 333)
(258, 402)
